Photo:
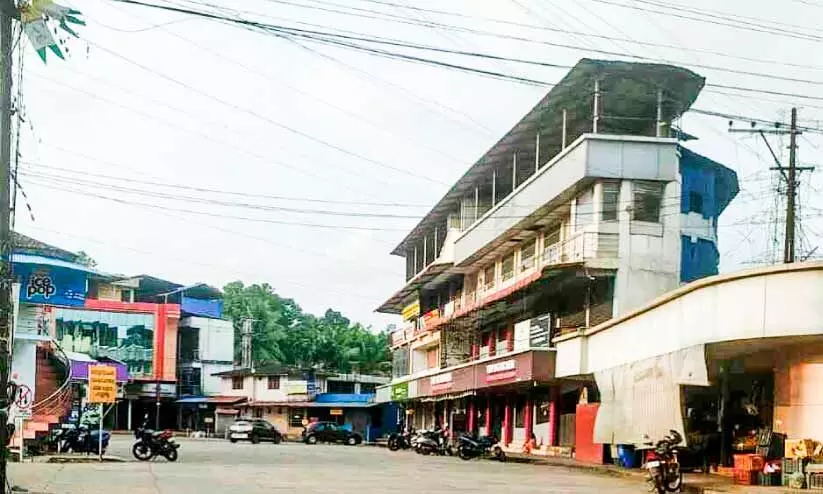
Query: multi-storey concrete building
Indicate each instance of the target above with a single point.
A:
(586, 209)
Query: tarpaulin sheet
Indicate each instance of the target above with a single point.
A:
(642, 399)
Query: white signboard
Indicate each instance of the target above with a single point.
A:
(506, 365)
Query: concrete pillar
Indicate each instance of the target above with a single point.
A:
(553, 418)
(492, 343)
(128, 416)
(528, 418)
(510, 337)
(488, 424)
(470, 419)
(507, 422)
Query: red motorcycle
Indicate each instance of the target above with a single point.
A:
(663, 468)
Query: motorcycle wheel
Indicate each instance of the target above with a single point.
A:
(141, 451)
(674, 481)
(656, 481)
(394, 444)
(171, 454)
(425, 450)
(499, 454)
(464, 454)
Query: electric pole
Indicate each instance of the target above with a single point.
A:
(7, 10)
(789, 174)
(246, 333)
(791, 191)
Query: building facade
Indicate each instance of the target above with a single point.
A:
(289, 398)
(587, 209)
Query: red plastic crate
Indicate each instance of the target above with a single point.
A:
(742, 477)
(749, 463)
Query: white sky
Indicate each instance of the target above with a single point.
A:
(99, 112)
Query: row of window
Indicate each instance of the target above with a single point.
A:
(342, 387)
(239, 382)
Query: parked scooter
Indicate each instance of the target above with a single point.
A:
(433, 442)
(81, 440)
(470, 447)
(662, 465)
(151, 444)
(401, 440)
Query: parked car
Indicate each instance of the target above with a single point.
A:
(254, 430)
(329, 432)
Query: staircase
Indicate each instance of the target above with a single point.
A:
(52, 396)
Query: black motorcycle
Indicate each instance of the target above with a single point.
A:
(664, 474)
(470, 447)
(400, 440)
(81, 440)
(151, 444)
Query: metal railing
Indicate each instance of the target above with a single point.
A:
(57, 402)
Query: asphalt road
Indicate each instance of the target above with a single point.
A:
(218, 466)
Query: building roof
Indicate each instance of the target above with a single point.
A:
(268, 369)
(26, 245)
(630, 92)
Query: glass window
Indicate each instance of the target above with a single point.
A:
(696, 202)
(488, 277)
(296, 420)
(128, 338)
(584, 212)
(647, 201)
(611, 200)
(400, 362)
(274, 382)
(237, 382)
(527, 255)
(507, 267)
(368, 388)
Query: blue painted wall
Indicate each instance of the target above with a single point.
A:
(202, 307)
(709, 187)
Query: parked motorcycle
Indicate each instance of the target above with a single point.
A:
(81, 440)
(151, 444)
(470, 447)
(433, 442)
(401, 440)
(662, 465)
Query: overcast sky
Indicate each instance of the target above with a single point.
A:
(113, 108)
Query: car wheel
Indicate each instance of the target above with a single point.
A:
(232, 440)
(311, 440)
(351, 441)
(255, 439)
(277, 439)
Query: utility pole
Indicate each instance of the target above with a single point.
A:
(7, 10)
(789, 174)
(246, 332)
(791, 191)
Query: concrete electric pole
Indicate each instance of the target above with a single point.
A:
(7, 12)
(789, 174)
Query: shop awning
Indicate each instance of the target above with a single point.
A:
(310, 404)
(643, 398)
(80, 363)
(213, 400)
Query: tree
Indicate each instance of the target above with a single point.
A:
(286, 334)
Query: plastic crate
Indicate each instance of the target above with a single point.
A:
(769, 479)
(745, 477)
(792, 465)
(748, 463)
(814, 481)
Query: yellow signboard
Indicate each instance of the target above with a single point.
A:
(297, 387)
(102, 384)
(411, 311)
(336, 412)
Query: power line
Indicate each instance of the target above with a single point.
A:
(329, 37)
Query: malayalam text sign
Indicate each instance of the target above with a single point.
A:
(102, 384)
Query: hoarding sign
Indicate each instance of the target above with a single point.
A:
(400, 392)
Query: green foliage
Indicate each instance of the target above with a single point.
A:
(286, 334)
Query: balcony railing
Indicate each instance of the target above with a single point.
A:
(580, 247)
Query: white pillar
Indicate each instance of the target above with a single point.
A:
(128, 415)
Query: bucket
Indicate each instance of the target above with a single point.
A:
(626, 456)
